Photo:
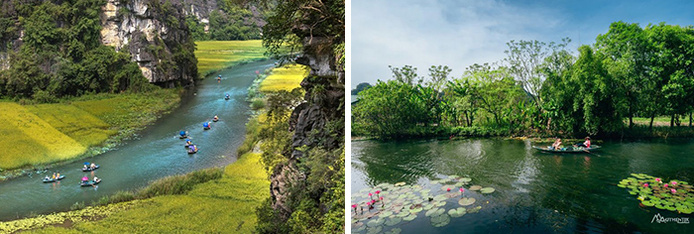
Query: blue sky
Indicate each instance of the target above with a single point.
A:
(460, 33)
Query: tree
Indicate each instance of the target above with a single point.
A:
(494, 88)
(361, 87)
(406, 75)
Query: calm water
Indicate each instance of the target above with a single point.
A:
(535, 192)
(157, 153)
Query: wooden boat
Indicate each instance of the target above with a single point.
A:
(90, 169)
(215, 120)
(190, 151)
(90, 183)
(568, 150)
(50, 180)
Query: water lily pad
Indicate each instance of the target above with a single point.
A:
(466, 201)
(386, 213)
(416, 210)
(460, 211)
(428, 206)
(440, 197)
(440, 220)
(474, 210)
(433, 211)
(647, 203)
(475, 187)
(440, 203)
(362, 228)
(465, 180)
(410, 217)
(487, 190)
(394, 231)
(374, 230)
(393, 221)
(402, 214)
(376, 222)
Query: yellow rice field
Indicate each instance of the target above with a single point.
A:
(226, 205)
(28, 139)
(286, 78)
(74, 122)
(216, 55)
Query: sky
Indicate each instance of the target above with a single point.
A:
(460, 33)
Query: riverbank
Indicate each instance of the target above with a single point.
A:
(39, 137)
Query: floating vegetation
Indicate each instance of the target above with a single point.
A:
(440, 220)
(455, 213)
(466, 201)
(674, 195)
(387, 207)
(487, 190)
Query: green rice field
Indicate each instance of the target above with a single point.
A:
(216, 55)
(47, 133)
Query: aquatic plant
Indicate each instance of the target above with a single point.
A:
(406, 202)
(673, 196)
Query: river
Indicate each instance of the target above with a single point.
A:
(535, 192)
(156, 153)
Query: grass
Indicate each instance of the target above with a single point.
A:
(285, 78)
(74, 122)
(225, 205)
(29, 140)
(215, 55)
(48, 133)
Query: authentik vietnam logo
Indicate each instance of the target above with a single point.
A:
(660, 219)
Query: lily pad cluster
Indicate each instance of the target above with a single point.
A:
(388, 205)
(673, 195)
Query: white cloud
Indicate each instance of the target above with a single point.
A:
(425, 33)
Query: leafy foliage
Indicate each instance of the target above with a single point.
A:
(542, 88)
(61, 54)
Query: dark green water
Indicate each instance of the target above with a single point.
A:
(158, 152)
(535, 192)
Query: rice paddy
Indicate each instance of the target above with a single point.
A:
(216, 55)
(48, 133)
(28, 139)
(226, 205)
(285, 78)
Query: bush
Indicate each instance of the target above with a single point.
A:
(179, 184)
(257, 104)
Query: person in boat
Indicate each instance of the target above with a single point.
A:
(585, 144)
(46, 178)
(85, 167)
(85, 179)
(219, 78)
(93, 166)
(57, 175)
(53, 177)
(96, 179)
(226, 96)
(215, 118)
(557, 144)
(206, 125)
(189, 142)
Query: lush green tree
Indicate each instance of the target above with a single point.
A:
(495, 90)
(392, 109)
(361, 87)
(406, 75)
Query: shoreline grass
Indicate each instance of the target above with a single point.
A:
(285, 78)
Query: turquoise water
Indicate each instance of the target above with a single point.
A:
(158, 152)
(535, 192)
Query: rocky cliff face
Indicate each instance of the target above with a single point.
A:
(156, 36)
(324, 103)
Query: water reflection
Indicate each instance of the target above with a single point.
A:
(536, 192)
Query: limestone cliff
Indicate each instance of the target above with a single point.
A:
(155, 34)
(323, 106)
